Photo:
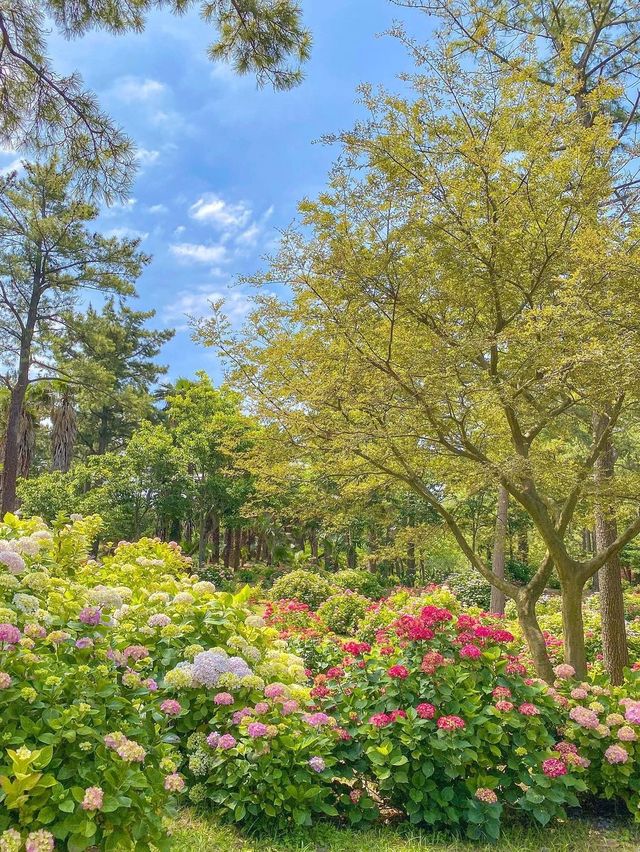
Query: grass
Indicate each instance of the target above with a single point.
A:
(195, 833)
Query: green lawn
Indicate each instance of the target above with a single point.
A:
(193, 833)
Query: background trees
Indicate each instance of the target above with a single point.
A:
(47, 258)
(457, 312)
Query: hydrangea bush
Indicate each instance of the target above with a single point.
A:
(129, 684)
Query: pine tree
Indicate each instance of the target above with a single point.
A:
(47, 258)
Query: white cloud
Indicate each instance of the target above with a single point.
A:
(197, 303)
(198, 253)
(13, 166)
(135, 89)
(147, 157)
(158, 209)
(123, 232)
(220, 213)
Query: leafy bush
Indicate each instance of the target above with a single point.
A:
(364, 582)
(342, 613)
(440, 718)
(305, 586)
(275, 762)
(471, 589)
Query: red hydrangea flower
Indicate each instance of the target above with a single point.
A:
(398, 671)
(426, 711)
(450, 723)
(471, 652)
(380, 720)
(431, 661)
(554, 768)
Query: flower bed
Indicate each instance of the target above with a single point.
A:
(130, 685)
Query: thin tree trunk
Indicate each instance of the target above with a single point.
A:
(528, 621)
(228, 542)
(63, 434)
(26, 442)
(215, 540)
(202, 539)
(499, 542)
(237, 548)
(614, 633)
(573, 626)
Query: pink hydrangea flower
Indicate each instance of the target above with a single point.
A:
(223, 698)
(170, 707)
(9, 635)
(632, 713)
(174, 783)
(450, 723)
(93, 799)
(226, 741)
(426, 711)
(627, 734)
(257, 729)
(564, 671)
(504, 706)
(501, 692)
(213, 739)
(566, 748)
(289, 707)
(584, 717)
(398, 671)
(528, 709)
(483, 794)
(553, 767)
(579, 693)
(274, 690)
(616, 754)
(380, 720)
(470, 652)
(5, 680)
(39, 841)
(261, 708)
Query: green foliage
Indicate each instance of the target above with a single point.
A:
(305, 586)
(343, 612)
(470, 588)
(364, 582)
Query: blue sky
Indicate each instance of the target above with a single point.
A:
(222, 163)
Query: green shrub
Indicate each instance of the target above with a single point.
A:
(305, 586)
(343, 612)
(363, 582)
(471, 589)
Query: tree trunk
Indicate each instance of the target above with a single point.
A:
(411, 563)
(313, 541)
(573, 626)
(202, 539)
(26, 442)
(498, 556)
(228, 542)
(215, 540)
(237, 548)
(614, 632)
(63, 433)
(11, 443)
(526, 610)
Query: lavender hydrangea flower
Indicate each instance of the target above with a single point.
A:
(317, 764)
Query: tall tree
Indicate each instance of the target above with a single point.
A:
(45, 111)
(590, 51)
(457, 313)
(110, 356)
(47, 258)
